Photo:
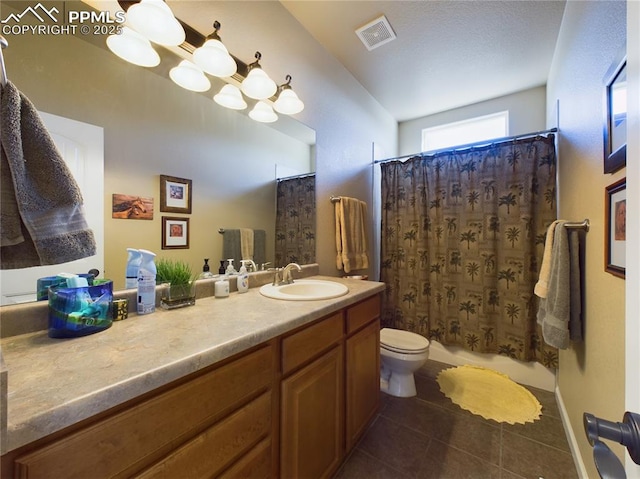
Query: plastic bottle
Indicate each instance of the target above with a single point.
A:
(221, 270)
(147, 283)
(222, 288)
(230, 269)
(133, 265)
(206, 270)
(243, 278)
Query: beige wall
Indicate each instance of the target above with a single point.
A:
(591, 377)
(153, 127)
(526, 115)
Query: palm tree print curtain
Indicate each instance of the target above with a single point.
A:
(296, 221)
(462, 240)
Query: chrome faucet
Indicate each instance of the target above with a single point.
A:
(287, 278)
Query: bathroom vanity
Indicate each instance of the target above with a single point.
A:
(245, 386)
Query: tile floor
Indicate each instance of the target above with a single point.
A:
(430, 437)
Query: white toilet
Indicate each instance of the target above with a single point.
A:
(401, 353)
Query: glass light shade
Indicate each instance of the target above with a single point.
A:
(230, 97)
(155, 20)
(258, 85)
(133, 47)
(288, 102)
(189, 76)
(213, 57)
(263, 113)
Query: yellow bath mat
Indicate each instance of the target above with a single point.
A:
(489, 394)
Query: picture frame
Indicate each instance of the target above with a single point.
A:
(175, 194)
(175, 232)
(615, 221)
(131, 207)
(615, 124)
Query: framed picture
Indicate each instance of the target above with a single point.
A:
(175, 233)
(615, 128)
(616, 221)
(175, 194)
(129, 207)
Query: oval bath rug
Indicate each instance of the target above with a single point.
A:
(489, 394)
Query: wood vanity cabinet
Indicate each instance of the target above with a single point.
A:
(206, 423)
(292, 407)
(330, 389)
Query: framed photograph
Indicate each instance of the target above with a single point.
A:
(615, 128)
(175, 194)
(175, 233)
(129, 207)
(616, 221)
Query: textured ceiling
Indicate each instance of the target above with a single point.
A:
(447, 53)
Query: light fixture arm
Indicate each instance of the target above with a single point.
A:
(286, 85)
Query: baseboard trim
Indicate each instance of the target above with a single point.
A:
(571, 437)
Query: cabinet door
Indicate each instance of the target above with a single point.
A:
(312, 418)
(363, 380)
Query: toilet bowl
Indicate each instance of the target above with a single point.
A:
(401, 353)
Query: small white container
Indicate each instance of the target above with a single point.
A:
(222, 288)
(243, 278)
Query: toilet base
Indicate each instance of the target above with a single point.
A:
(399, 385)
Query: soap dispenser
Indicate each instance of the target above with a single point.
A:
(230, 269)
(243, 277)
(206, 270)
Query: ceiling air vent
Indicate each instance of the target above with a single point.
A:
(376, 33)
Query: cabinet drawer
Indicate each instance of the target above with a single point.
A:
(311, 341)
(362, 313)
(127, 439)
(219, 446)
(255, 464)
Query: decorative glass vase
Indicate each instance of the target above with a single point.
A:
(178, 295)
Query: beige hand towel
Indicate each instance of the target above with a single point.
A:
(351, 234)
(542, 286)
(246, 243)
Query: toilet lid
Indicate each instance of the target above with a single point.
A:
(403, 341)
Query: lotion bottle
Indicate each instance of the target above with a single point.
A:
(133, 265)
(243, 278)
(147, 283)
(230, 268)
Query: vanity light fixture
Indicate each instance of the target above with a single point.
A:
(230, 97)
(133, 47)
(257, 84)
(155, 20)
(213, 57)
(288, 102)
(189, 76)
(263, 113)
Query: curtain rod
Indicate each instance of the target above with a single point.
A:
(470, 145)
(293, 177)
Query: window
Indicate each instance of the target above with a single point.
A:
(481, 128)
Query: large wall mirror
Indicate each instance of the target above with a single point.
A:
(152, 127)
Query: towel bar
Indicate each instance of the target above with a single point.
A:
(578, 226)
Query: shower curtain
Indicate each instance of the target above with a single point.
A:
(462, 240)
(296, 221)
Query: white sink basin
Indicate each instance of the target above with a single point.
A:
(305, 290)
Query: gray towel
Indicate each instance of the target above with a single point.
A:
(575, 321)
(232, 247)
(554, 310)
(42, 219)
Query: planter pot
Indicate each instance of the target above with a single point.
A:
(178, 295)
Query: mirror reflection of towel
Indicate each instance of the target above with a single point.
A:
(42, 218)
(351, 234)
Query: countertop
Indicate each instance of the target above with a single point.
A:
(54, 383)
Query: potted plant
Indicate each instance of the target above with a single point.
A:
(181, 282)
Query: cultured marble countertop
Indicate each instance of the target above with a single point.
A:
(54, 383)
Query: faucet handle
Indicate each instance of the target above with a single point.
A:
(264, 265)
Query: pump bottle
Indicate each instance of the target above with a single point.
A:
(243, 278)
